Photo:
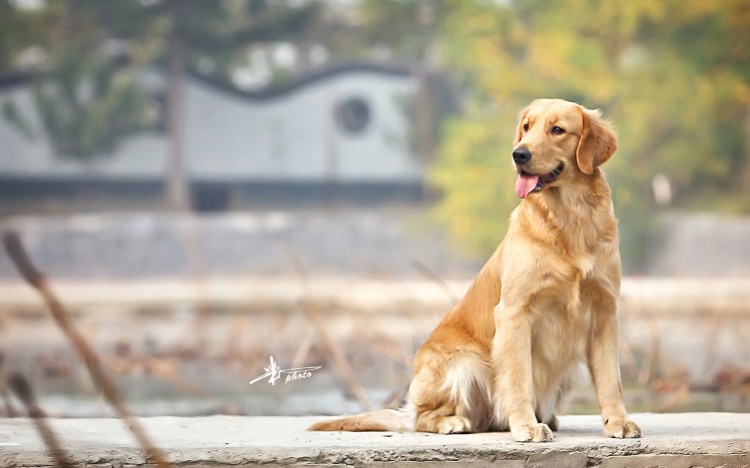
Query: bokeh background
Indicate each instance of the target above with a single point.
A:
(209, 184)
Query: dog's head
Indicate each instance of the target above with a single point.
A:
(557, 141)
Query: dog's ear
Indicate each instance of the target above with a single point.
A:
(519, 126)
(598, 141)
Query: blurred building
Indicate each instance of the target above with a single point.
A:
(341, 133)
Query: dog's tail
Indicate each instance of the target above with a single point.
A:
(400, 420)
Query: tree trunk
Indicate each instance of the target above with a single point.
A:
(177, 188)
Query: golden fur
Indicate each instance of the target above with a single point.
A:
(544, 302)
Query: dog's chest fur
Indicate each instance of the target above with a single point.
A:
(573, 265)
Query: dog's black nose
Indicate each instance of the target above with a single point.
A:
(521, 155)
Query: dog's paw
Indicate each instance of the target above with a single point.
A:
(622, 429)
(453, 425)
(538, 432)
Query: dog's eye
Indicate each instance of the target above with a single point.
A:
(526, 127)
(557, 130)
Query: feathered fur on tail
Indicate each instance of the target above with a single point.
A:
(400, 420)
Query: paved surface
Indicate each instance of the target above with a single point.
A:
(688, 439)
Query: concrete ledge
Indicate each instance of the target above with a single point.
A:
(688, 439)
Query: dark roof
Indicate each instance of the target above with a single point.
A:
(299, 82)
(14, 79)
(269, 92)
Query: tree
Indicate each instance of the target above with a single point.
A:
(393, 30)
(85, 93)
(89, 96)
(207, 28)
(672, 75)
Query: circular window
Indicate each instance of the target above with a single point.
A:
(353, 115)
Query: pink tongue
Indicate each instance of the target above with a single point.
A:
(525, 184)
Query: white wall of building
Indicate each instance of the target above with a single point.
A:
(290, 137)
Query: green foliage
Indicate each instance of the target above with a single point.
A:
(477, 179)
(672, 76)
(18, 120)
(89, 105)
(89, 98)
(405, 29)
(18, 30)
(394, 30)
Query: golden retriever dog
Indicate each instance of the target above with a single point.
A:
(545, 302)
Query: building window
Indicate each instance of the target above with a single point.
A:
(353, 115)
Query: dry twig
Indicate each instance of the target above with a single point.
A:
(23, 391)
(312, 313)
(38, 281)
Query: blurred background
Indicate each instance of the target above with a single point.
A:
(209, 184)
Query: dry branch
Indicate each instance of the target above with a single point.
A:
(21, 260)
(23, 391)
(312, 313)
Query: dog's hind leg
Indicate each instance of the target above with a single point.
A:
(451, 392)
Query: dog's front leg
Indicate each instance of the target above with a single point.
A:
(604, 365)
(514, 388)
